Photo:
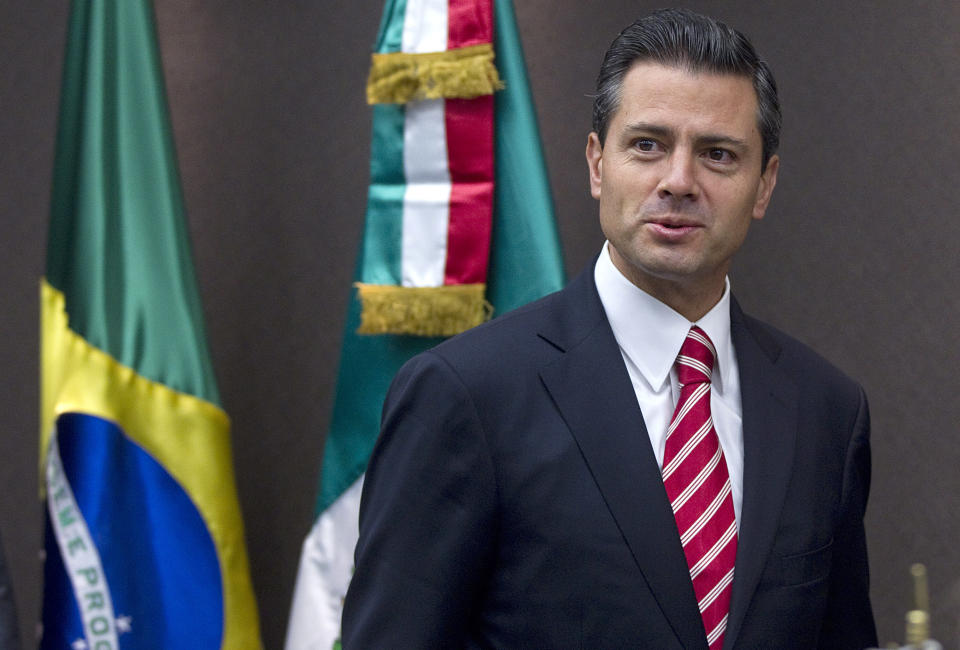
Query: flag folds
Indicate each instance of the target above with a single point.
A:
(144, 539)
(524, 263)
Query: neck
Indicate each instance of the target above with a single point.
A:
(692, 298)
(693, 305)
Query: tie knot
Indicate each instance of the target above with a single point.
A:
(696, 359)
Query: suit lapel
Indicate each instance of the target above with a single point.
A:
(769, 406)
(592, 390)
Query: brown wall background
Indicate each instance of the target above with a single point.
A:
(857, 256)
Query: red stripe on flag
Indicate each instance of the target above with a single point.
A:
(469, 125)
(469, 22)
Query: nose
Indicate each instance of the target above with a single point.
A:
(679, 179)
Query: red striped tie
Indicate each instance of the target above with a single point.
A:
(698, 486)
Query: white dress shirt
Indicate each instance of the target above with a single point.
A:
(650, 334)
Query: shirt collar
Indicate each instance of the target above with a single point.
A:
(650, 333)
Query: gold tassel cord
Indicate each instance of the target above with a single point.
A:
(421, 311)
(400, 77)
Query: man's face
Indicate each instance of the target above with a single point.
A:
(679, 177)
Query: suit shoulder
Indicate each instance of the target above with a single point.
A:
(802, 362)
(513, 329)
(499, 352)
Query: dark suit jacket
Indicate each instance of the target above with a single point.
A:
(514, 501)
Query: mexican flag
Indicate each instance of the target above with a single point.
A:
(485, 228)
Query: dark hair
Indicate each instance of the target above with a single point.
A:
(682, 38)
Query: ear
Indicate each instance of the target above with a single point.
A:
(595, 163)
(768, 180)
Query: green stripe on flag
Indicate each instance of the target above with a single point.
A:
(525, 257)
(390, 34)
(383, 230)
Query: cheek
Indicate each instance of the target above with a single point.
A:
(738, 206)
(623, 189)
(623, 194)
(735, 229)
(613, 217)
(744, 196)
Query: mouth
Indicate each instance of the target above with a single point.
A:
(673, 229)
(678, 222)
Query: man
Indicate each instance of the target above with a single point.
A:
(632, 461)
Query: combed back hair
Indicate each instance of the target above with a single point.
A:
(684, 39)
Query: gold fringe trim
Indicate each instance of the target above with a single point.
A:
(421, 311)
(400, 77)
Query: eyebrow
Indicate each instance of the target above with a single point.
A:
(705, 139)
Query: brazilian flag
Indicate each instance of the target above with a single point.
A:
(144, 539)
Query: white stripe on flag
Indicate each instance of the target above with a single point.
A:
(79, 554)
(426, 201)
(326, 564)
(425, 26)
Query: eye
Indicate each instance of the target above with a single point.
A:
(646, 144)
(720, 155)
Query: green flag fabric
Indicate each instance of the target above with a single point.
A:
(525, 264)
(144, 538)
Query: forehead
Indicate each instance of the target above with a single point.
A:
(680, 99)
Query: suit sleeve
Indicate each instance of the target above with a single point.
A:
(849, 617)
(427, 524)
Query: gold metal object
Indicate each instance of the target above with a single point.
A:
(918, 620)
